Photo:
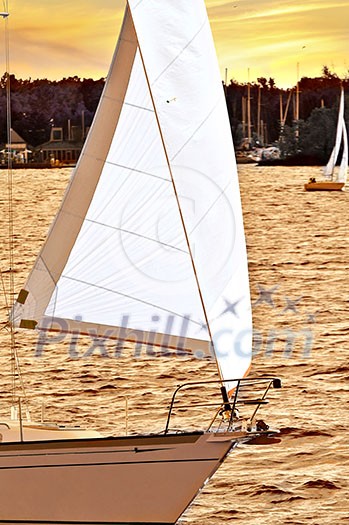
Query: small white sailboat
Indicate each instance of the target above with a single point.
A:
(335, 180)
(150, 226)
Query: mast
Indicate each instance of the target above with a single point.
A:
(283, 114)
(249, 135)
(259, 114)
(243, 104)
(297, 104)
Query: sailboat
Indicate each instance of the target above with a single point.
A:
(334, 181)
(150, 226)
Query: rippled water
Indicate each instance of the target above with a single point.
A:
(298, 251)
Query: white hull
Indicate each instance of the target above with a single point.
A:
(129, 480)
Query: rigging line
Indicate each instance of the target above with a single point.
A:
(9, 162)
(3, 286)
(10, 285)
(178, 204)
(5, 327)
(15, 364)
(7, 291)
(10, 208)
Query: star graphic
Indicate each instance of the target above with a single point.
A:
(291, 304)
(265, 296)
(231, 307)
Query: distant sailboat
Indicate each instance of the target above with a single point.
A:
(335, 180)
(150, 226)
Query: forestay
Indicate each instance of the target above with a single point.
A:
(148, 244)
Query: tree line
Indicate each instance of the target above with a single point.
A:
(38, 105)
(259, 109)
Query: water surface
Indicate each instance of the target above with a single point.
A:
(298, 250)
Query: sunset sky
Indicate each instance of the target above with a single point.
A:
(59, 38)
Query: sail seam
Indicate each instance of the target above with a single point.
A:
(138, 107)
(196, 130)
(108, 162)
(116, 99)
(115, 228)
(137, 170)
(140, 2)
(99, 287)
(222, 193)
(128, 40)
(179, 54)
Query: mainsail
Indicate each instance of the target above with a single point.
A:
(341, 135)
(148, 244)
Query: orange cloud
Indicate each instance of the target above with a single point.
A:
(270, 38)
(63, 38)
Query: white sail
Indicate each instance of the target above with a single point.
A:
(148, 244)
(329, 168)
(343, 168)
